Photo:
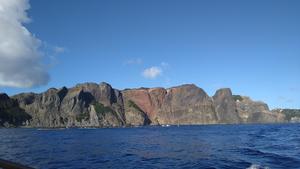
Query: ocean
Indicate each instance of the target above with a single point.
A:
(270, 146)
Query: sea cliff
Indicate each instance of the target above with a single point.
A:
(100, 105)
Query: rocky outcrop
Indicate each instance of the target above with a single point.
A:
(11, 115)
(186, 104)
(134, 115)
(149, 101)
(225, 106)
(289, 115)
(100, 105)
(256, 112)
(80, 106)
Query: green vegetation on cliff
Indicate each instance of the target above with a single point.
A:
(290, 113)
(237, 97)
(83, 116)
(101, 109)
(133, 105)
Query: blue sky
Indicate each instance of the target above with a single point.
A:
(252, 47)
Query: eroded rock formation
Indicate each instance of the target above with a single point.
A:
(100, 105)
(11, 115)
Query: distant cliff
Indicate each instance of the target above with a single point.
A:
(100, 105)
(291, 115)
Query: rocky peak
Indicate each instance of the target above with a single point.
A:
(225, 106)
(62, 93)
(223, 92)
(5, 101)
(107, 94)
(25, 98)
(3, 97)
(188, 91)
(104, 84)
(186, 104)
(103, 93)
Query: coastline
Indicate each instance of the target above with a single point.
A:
(158, 126)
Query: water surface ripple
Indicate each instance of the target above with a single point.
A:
(205, 146)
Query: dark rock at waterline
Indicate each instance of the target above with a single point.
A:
(11, 115)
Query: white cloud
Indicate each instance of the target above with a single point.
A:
(152, 72)
(20, 59)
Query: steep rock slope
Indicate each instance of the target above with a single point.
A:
(185, 104)
(11, 115)
(87, 104)
(290, 115)
(147, 100)
(100, 105)
(256, 112)
(225, 106)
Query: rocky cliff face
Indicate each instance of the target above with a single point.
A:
(289, 115)
(226, 107)
(100, 105)
(147, 100)
(256, 112)
(186, 104)
(11, 115)
(85, 105)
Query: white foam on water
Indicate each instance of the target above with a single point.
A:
(256, 166)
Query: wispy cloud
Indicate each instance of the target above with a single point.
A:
(152, 72)
(21, 61)
(135, 61)
(52, 53)
(58, 49)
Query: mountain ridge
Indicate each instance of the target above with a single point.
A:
(100, 105)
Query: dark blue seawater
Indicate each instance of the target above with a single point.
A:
(208, 146)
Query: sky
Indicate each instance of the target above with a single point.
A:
(252, 47)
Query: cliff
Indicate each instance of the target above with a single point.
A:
(257, 112)
(290, 115)
(100, 105)
(11, 115)
(186, 104)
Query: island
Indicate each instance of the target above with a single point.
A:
(100, 105)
